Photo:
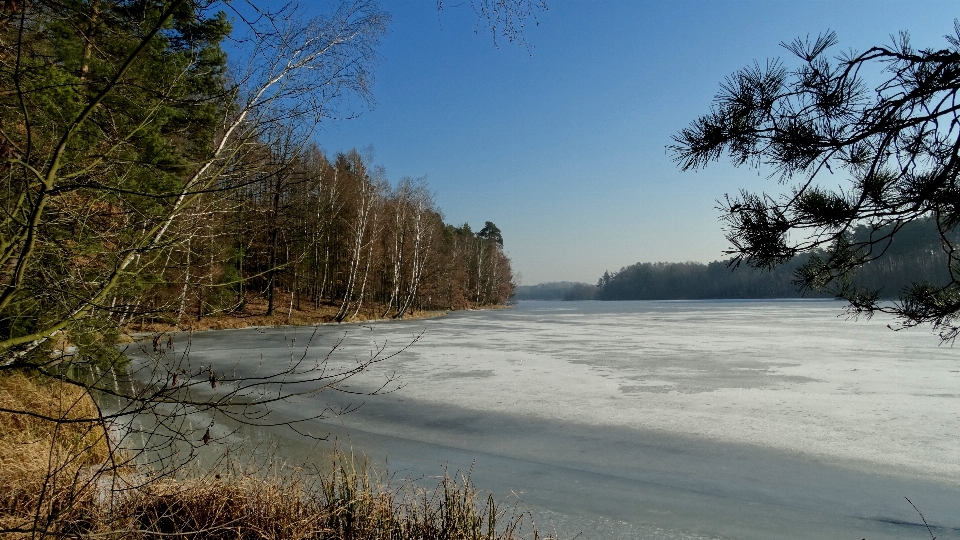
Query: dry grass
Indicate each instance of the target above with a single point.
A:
(55, 483)
(47, 458)
(345, 504)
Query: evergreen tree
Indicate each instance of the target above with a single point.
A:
(106, 110)
(893, 144)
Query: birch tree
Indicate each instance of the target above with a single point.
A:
(136, 135)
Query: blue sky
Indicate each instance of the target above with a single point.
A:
(563, 145)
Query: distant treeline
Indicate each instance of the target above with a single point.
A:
(914, 256)
(693, 281)
(556, 290)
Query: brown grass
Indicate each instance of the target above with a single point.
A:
(47, 458)
(55, 482)
(347, 503)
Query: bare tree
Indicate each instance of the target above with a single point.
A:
(93, 203)
(424, 227)
(123, 151)
(298, 70)
(503, 18)
(367, 195)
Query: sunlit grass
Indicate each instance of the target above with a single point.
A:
(58, 479)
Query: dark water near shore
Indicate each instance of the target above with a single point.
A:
(768, 419)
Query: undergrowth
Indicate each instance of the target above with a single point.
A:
(58, 481)
(50, 453)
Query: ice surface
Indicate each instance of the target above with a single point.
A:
(786, 375)
(680, 419)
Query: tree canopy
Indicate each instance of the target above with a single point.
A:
(491, 232)
(867, 142)
(107, 113)
(145, 177)
(147, 180)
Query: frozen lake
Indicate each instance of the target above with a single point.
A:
(716, 419)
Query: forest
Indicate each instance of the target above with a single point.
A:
(914, 255)
(160, 166)
(151, 177)
(321, 232)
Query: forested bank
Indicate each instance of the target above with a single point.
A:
(915, 255)
(148, 177)
(317, 232)
(696, 281)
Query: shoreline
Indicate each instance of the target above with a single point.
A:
(669, 432)
(293, 317)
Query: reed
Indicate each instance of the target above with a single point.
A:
(57, 478)
(49, 458)
(345, 503)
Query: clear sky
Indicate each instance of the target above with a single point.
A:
(563, 145)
